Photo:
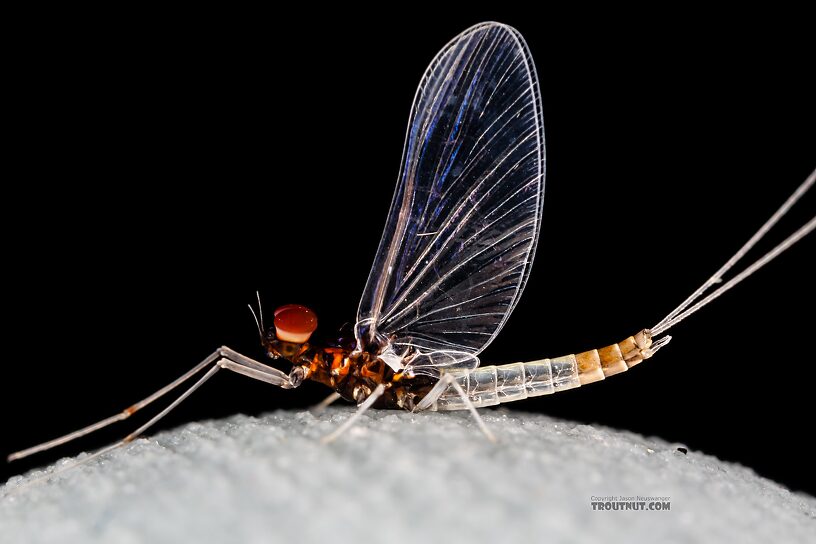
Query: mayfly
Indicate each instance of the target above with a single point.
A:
(452, 262)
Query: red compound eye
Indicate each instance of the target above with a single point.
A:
(294, 323)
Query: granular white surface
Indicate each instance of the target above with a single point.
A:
(399, 477)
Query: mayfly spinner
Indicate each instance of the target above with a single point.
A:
(453, 260)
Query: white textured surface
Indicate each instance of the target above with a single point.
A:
(399, 477)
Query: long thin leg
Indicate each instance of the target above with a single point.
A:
(262, 372)
(437, 390)
(433, 395)
(372, 398)
(268, 375)
(132, 436)
(124, 414)
(128, 438)
(318, 408)
(243, 365)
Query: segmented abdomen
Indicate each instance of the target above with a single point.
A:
(490, 385)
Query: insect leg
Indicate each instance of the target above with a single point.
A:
(262, 372)
(230, 360)
(433, 395)
(226, 358)
(124, 414)
(128, 438)
(317, 409)
(372, 398)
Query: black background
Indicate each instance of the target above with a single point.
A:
(164, 166)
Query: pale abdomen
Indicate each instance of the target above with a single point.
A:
(490, 385)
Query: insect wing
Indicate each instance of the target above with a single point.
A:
(464, 221)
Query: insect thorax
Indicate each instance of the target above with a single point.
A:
(354, 374)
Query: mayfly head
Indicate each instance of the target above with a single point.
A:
(293, 326)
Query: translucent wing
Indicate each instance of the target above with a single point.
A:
(464, 220)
